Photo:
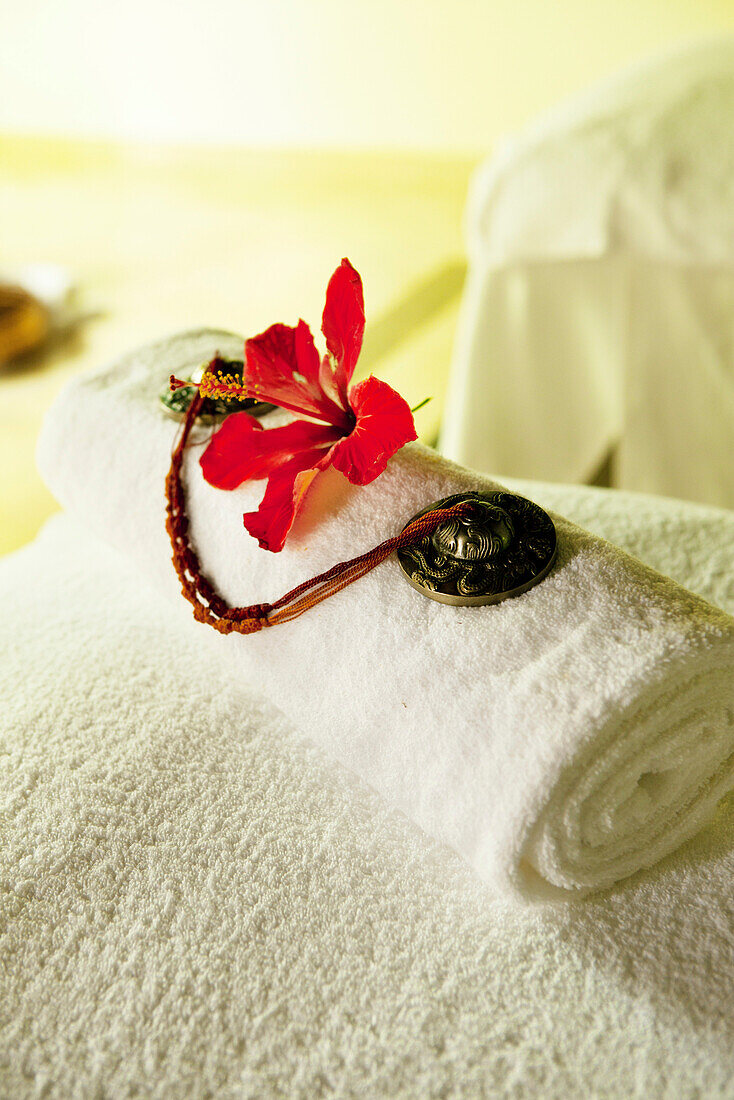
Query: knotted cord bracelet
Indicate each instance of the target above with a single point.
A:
(208, 605)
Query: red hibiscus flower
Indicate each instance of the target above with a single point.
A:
(356, 429)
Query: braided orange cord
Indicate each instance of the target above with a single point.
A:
(211, 609)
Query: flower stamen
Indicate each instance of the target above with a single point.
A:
(220, 386)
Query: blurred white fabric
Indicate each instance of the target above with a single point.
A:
(598, 312)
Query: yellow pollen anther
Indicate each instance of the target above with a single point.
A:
(221, 386)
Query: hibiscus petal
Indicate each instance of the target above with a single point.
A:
(242, 450)
(282, 366)
(384, 423)
(343, 324)
(286, 489)
(332, 382)
(307, 358)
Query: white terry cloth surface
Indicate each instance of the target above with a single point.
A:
(598, 309)
(195, 902)
(566, 737)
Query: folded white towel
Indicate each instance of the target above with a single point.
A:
(195, 903)
(564, 738)
(601, 276)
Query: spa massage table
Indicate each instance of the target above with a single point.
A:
(195, 901)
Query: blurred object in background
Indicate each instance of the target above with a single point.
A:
(596, 341)
(24, 322)
(36, 301)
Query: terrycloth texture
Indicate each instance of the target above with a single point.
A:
(196, 903)
(567, 737)
(597, 312)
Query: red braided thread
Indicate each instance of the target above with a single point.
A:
(210, 608)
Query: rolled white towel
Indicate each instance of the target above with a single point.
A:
(565, 738)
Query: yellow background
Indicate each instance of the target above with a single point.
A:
(440, 74)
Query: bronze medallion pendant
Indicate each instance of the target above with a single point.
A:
(502, 548)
